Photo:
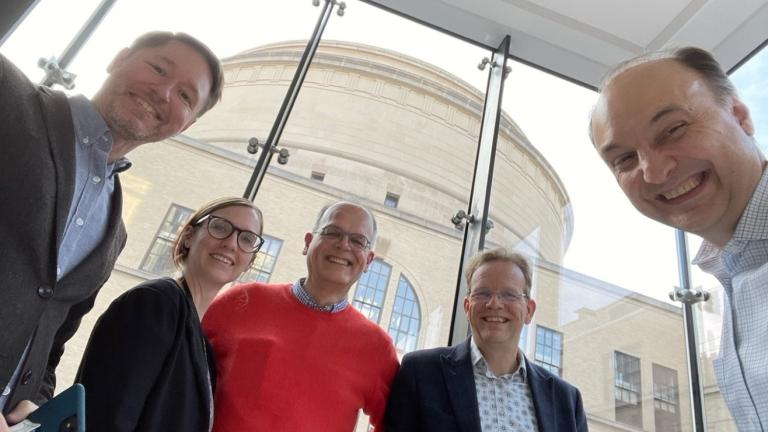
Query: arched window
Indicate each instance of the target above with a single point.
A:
(369, 296)
(406, 317)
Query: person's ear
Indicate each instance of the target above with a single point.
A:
(119, 59)
(307, 240)
(531, 306)
(741, 112)
(368, 260)
(466, 307)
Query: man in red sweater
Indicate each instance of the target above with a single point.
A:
(298, 357)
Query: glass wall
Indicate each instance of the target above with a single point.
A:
(389, 115)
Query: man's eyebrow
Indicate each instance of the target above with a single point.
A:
(173, 65)
(608, 148)
(669, 109)
(167, 60)
(660, 114)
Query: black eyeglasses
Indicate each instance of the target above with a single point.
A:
(357, 241)
(220, 228)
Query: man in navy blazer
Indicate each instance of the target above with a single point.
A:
(485, 383)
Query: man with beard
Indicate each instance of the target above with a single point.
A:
(61, 228)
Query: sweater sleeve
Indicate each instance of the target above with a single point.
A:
(125, 355)
(377, 403)
(403, 414)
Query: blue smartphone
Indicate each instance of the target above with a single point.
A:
(63, 413)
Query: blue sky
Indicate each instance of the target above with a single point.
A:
(752, 83)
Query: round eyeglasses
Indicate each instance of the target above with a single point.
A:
(220, 228)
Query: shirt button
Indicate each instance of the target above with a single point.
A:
(79, 221)
(26, 377)
(85, 140)
(45, 291)
(96, 179)
(58, 270)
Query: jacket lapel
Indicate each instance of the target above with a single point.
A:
(58, 122)
(460, 384)
(543, 393)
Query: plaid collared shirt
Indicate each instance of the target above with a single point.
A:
(742, 268)
(306, 299)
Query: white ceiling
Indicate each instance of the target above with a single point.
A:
(582, 39)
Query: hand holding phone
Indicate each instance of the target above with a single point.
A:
(63, 413)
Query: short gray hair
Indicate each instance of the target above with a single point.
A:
(327, 207)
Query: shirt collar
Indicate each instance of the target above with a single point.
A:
(90, 127)
(120, 165)
(752, 225)
(306, 299)
(479, 364)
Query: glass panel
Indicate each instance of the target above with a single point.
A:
(404, 326)
(666, 399)
(548, 350)
(627, 390)
(601, 271)
(208, 160)
(159, 259)
(265, 260)
(369, 295)
(44, 34)
(380, 115)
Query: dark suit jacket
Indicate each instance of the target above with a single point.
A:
(146, 366)
(435, 391)
(37, 169)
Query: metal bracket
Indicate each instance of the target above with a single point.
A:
(54, 74)
(687, 296)
(486, 61)
(489, 225)
(282, 153)
(340, 11)
(458, 219)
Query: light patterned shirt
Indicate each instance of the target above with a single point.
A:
(504, 403)
(742, 268)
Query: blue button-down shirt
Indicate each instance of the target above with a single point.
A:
(742, 268)
(94, 184)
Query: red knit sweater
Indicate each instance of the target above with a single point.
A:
(283, 366)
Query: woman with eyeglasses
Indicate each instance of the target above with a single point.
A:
(148, 366)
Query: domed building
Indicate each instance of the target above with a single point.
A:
(399, 135)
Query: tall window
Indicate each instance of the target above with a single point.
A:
(262, 267)
(549, 350)
(158, 258)
(369, 296)
(406, 317)
(629, 408)
(666, 402)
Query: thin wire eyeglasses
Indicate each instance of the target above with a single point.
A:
(220, 229)
(357, 241)
(504, 297)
